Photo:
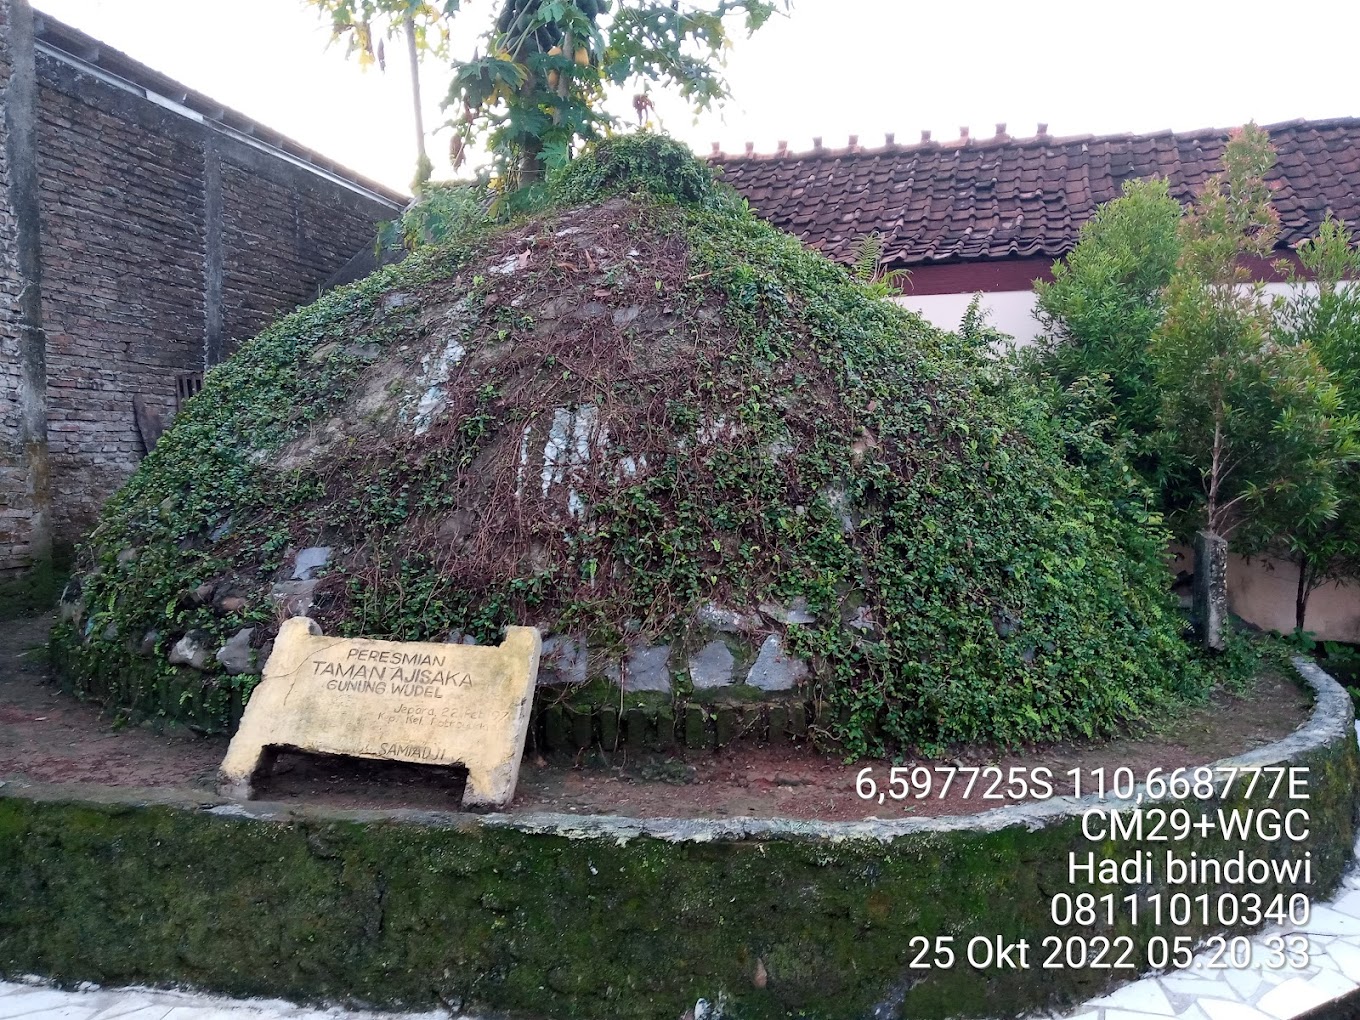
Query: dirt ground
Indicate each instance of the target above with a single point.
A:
(50, 737)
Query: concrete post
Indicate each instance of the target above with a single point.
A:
(1211, 589)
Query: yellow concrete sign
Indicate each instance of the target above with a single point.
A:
(421, 702)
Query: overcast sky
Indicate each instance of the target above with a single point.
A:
(833, 68)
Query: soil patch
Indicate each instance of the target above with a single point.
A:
(47, 736)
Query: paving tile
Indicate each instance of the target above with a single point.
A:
(1347, 904)
(1299, 996)
(70, 1011)
(1323, 961)
(35, 1001)
(130, 1007)
(1334, 984)
(1243, 982)
(1192, 984)
(197, 1012)
(1192, 1013)
(1144, 996)
(1126, 1014)
(148, 1011)
(1325, 921)
(20, 1000)
(1221, 1009)
(1347, 958)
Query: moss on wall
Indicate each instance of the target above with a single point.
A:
(36, 590)
(490, 914)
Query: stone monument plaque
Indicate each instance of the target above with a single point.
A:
(426, 703)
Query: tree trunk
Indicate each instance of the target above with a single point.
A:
(423, 165)
(530, 163)
(1301, 596)
(1211, 589)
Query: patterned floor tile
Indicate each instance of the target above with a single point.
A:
(1299, 996)
(23, 1000)
(1194, 986)
(1221, 1009)
(1144, 997)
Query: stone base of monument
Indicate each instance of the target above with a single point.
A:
(458, 706)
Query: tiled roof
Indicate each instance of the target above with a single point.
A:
(1004, 197)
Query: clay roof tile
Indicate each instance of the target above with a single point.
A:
(1003, 197)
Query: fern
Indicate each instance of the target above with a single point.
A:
(868, 270)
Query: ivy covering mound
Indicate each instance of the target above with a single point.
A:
(633, 410)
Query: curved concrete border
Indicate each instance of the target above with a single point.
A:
(1331, 719)
(589, 915)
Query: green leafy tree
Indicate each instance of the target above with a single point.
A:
(1325, 315)
(1254, 415)
(535, 89)
(1105, 302)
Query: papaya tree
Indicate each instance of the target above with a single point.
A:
(536, 87)
(366, 25)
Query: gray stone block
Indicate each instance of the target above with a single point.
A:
(309, 561)
(711, 666)
(863, 621)
(236, 656)
(563, 660)
(774, 670)
(795, 612)
(648, 669)
(190, 650)
(295, 596)
(726, 621)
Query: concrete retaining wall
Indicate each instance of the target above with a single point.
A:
(588, 916)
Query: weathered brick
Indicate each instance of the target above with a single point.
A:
(165, 240)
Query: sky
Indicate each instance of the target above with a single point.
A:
(831, 68)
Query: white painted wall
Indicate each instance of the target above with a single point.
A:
(1262, 590)
(1011, 311)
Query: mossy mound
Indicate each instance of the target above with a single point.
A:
(634, 404)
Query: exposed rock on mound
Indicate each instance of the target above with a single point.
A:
(693, 452)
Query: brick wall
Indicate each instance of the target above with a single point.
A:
(165, 241)
(282, 236)
(122, 206)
